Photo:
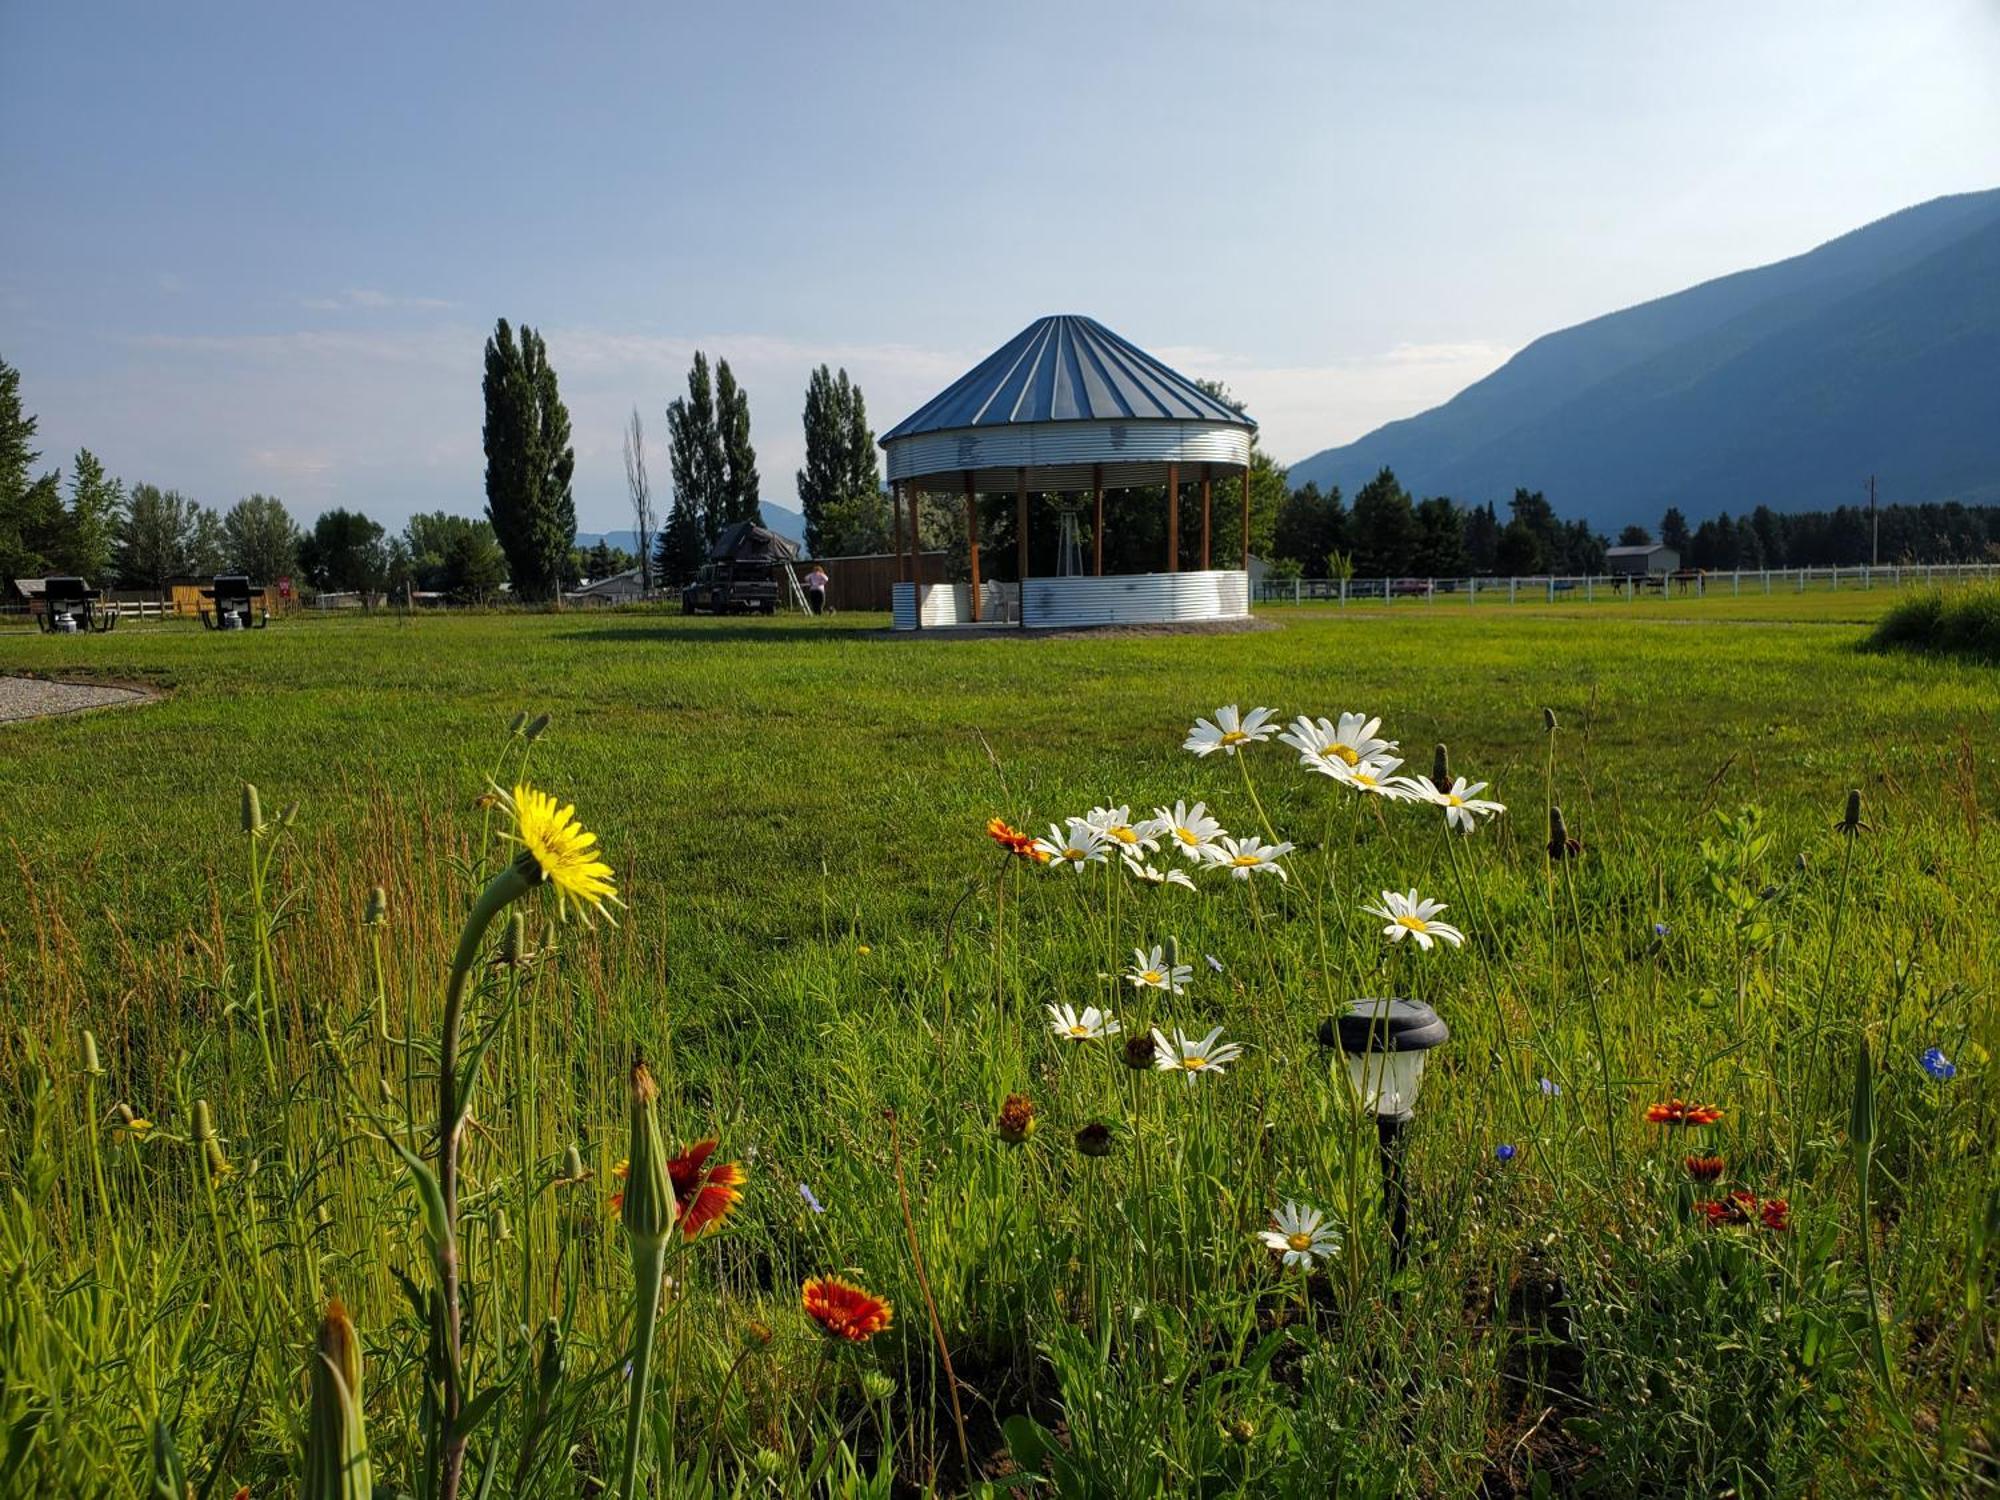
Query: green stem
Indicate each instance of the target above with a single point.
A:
(1800, 1104)
(648, 1265)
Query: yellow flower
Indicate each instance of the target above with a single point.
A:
(563, 850)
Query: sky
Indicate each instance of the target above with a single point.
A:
(254, 247)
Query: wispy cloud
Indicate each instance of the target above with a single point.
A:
(388, 420)
(366, 299)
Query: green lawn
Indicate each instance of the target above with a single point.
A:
(794, 813)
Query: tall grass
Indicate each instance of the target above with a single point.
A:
(1961, 621)
(1564, 1319)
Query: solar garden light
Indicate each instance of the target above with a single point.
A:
(1384, 1042)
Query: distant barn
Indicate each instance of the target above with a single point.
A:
(1654, 559)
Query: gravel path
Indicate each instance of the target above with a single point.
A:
(31, 697)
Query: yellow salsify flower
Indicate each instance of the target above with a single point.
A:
(563, 850)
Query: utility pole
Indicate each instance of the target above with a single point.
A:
(1874, 528)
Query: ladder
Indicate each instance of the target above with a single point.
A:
(798, 590)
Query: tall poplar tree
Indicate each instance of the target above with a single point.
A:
(695, 453)
(740, 483)
(529, 462)
(841, 475)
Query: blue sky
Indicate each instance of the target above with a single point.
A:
(258, 247)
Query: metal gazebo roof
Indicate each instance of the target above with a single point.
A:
(1067, 404)
(1066, 368)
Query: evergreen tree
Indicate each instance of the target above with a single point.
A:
(740, 484)
(678, 556)
(695, 454)
(1309, 529)
(1674, 531)
(1482, 538)
(1635, 536)
(33, 525)
(156, 539)
(96, 504)
(529, 462)
(1521, 551)
(1440, 546)
(841, 470)
(260, 538)
(1384, 528)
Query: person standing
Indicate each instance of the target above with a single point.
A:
(816, 589)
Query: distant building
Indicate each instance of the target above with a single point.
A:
(619, 588)
(1655, 559)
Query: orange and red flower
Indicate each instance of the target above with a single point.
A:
(845, 1311)
(1680, 1112)
(1704, 1168)
(1020, 845)
(1017, 1119)
(1742, 1207)
(706, 1195)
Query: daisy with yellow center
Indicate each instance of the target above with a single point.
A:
(1089, 1026)
(1151, 971)
(1230, 731)
(1075, 846)
(1191, 828)
(1411, 916)
(1209, 1055)
(1462, 804)
(563, 852)
(1323, 744)
(1301, 1235)
(1245, 857)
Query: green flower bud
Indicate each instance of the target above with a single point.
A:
(91, 1065)
(211, 1148)
(535, 727)
(649, 1210)
(377, 910)
(573, 1168)
(253, 811)
(1850, 822)
(336, 1441)
(515, 724)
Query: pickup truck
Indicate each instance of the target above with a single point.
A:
(732, 588)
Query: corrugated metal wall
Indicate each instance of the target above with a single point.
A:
(1125, 599)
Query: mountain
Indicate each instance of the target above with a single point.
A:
(787, 523)
(1788, 385)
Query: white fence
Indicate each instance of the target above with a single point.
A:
(1547, 589)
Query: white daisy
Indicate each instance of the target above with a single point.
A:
(1138, 869)
(1301, 1235)
(1245, 857)
(1375, 777)
(1409, 916)
(1462, 804)
(1209, 1055)
(1091, 1026)
(1229, 731)
(1076, 846)
(1188, 829)
(1322, 743)
(1151, 971)
(1116, 825)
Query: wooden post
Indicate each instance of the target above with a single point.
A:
(1173, 518)
(972, 545)
(1021, 538)
(1097, 520)
(1246, 520)
(1207, 504)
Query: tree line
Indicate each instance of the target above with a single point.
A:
(1387, 533)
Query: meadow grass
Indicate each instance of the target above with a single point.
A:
(833, 971)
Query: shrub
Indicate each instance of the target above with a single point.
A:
(1961, 622)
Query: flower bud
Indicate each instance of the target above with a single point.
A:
(648, 1210)
(757, 1335)
(290, 815)
(376, 912)
(1173, 952)
(1441, 769)
(211, 1148)
(549, 1366)
(1850, 822)
(535, 727)
(91, 1065)
(877, 1386)
(514, 942)
(1561, 845)
(573, 1168)
(253, 810)
(1094, 1139)
(1017, 1119)
(336, 1440)
(514, 725)
(1549, 720)
(1138, 1052)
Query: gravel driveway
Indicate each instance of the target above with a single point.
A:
(32, 697)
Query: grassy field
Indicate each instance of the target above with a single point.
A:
(817, 930)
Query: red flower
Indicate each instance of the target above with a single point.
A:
(843, 1310)
(1704, 1168)
(705, 1195)
(1777, 1214)
(1020, 845)
(1741, 1207)
(1680, 1112)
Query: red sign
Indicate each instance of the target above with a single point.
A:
(284, 588)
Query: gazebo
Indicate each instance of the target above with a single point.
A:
(1069, 407)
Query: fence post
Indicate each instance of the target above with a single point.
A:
(1297, 584)
(1590, 588)
(1736, 585)
(1343, 593)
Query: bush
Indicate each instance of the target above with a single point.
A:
(1960, 622)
